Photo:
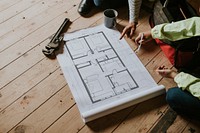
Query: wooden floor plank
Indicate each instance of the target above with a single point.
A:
(34, 95)
(159, 60)
(5, 4)
(26, 81)
(30, 101)
(184, 125)
(143, 117)
(62, 125)
(10, 73)
(165, 122)
(179, 125)
(33, 24)
(107, 123)
(19, 50)
(57, 105)
(103, 124)
(7, 15)
(192, 127)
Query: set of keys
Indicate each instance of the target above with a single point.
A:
(54, 44)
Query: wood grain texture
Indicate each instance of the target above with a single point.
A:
(34, 95)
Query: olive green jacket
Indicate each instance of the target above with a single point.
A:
(177, 31)
(189, 83)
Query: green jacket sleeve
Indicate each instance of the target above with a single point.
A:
(178, 30)
(189, 83)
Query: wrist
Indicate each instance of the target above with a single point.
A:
(148, 34)
(133, 23)
(173, 74)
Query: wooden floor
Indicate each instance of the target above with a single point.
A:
(34, 96)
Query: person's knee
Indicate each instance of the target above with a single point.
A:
(182, 102)
(172, 95)
(105, 4)
(173, 98)
(99, 3)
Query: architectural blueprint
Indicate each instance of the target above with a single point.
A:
(103, 73)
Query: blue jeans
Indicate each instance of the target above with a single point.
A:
(183, 103)
(104, 4)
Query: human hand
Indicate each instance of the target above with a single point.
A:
(166, 72)
(146, 37)
(129, 30)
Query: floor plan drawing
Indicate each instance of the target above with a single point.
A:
(97, 53)
(103, 73)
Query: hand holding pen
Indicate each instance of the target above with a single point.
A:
(166, 72)
(146, 37)
(140, 42)
(142, 38)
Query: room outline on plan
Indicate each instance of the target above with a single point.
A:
(102, 72)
